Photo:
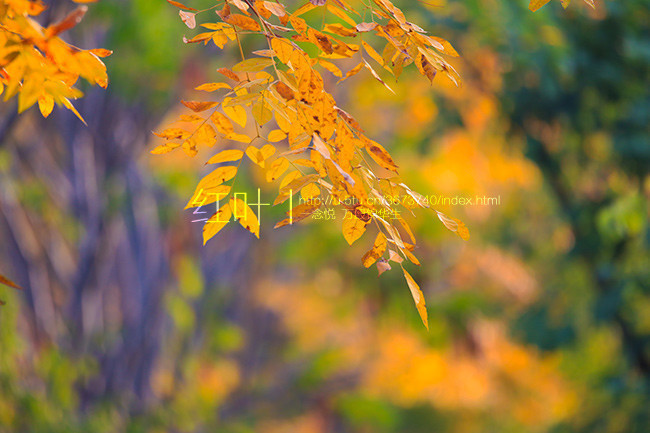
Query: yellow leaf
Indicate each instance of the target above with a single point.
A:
(351, 72)
(536, 4)
(372, 53)
(262, 112)
(339, 13)
(418, 297)
(330, 67)
(276, 135)
(164, 148)
(353, 228)
(217, 177)
(205, 135)
(454, 225)
(46, 104)
(282, 48)
(216, 222)
(211, 87)
(379, 154)
(290, 178)
(222, 123)
(277, 168)
(258, 156)
(226, 156)
(70, 107)
(298, 213)
(291, 187)
(242, 138)
(236, 112)
(447, 47)
(376, 251)
(252, 65)
(310, 191)
(425, 67)
(245, 215)
(172, 133)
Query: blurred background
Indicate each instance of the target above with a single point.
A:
(539, 323)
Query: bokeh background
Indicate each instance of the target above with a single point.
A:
(539, 323)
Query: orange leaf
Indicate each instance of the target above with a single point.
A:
(197, 106)
(242, 21)
(180, 5)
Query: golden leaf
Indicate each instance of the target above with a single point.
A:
(243, 22)
(298, 213)
(236, 112)
(376, 251)
(353, 228)
(211, 87)
(216, 222)
(454, 225)
(222, 123)
(245, 215)
(536, 4)
(418, 298)
(379, 154)
(226, 156)
(276, 135)
(259, 156)
(277, 168)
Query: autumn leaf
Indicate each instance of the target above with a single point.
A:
(366, 27)
(228, 73)
(71, 20)
(243, 22)
(236, 113)
(226, 156)
(180, 5)
(188, 18)
(379, 155)
(216, 222)
(252, 65)
(376, 251)
(245, 215)
(353, 228)
(7, 282)
(259, 156)
(454, 225)
(197, 106)
(211, 87)
(418, 297)
(277, 169)
(382, 266)
(298, 213)
(536, 4)
(276, 135)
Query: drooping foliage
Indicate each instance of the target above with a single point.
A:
(311, 145)
(37, 65)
